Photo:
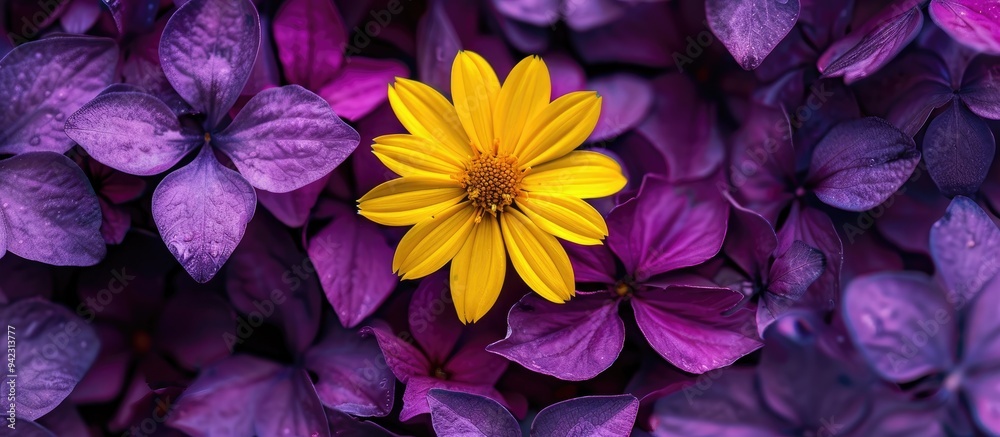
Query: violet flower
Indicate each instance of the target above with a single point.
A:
(282, 139)
(940, 335)
(660, 231)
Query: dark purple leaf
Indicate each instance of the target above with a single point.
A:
(586, 15)
(437, 45)
(626, 101)
(958, 150)
(573, 341)
(201, 211)
(293, 208)
(860, 163)
(269, 278)
(285, 138)
(49, 210)
(403, 358)
(360, 86)
(54, 350)
(223, 400)
(872, 45)
(432, 322)
(538, 13)
(455, 414)
(727, 405)
(132, 132)
(599, 416)
(902, 323)
(310, 38)
(416, 401)
(133, 15)
(975, 23)
(687, 326)
(354, 264)
(791, 275)
(981, 87)
(964, 244)
(751, 239)
(290, 407)
(351, 373)
(43, 82)
(750, 29)
(207, 52)
(80, 15)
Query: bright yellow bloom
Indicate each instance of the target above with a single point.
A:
(494, 174)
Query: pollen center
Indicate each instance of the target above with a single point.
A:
(492, 182)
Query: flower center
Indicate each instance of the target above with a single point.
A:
(492, 183)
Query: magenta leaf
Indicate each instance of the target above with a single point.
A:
(310, 38)
(574, 341)
(981, 87)
(354, 264)
(208, 50)
(599, 416)
(860, 163)
(750, 29)
(958, 150)
(869, 47)
(132, 132)
(975, 23)
(285, 138)
(201, 211)
(888, 313)
(689, 327)
(293, 208)
(43, 82)
(50, 212)
(54, 349)
(456, 414)
(289, 406)
(360, 86)
(626, 101)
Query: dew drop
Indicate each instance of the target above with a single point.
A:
(38, 55)
(35, 140)
(970, 244)
(59, 116)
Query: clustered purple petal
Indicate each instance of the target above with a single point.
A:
(808, 243)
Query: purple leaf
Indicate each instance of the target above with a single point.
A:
(293, 208)
(404, 359)
(223, 399)
(751, 239)
(686, 326)
(814, 228)
(290, 407)
(50, 212)
(975, 23)
(268, 277)
(133, 15)
(80, 15)
(360, 86)
(860, 163)
(351, 375)
(958, 150)
(662, 230)
(981, 346)
(536, 12)
(626, 101)
(437, 45)
(433, 323)
(574, 341)
(791, 275)
(54, 350)
(869, 47)
(43, 82)
(902, 323)
(354, 264)
(599, 416)
(285, 138)
(201, 211)
(592, 263)
(750, 29)
(310, 37)
(416, 400)
(455, 414)
(208, 50)
(964, 244)
(729, 406)
(132, 132)
(981, 87)
(586, 15)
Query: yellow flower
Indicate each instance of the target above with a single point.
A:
(493, 174)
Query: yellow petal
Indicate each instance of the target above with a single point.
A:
(582, 174)
(474, 88)
(566, 217)
(537, 257)
(477, 271)
(408, 200)
(561, 127)
(424, 112)
(525, 93)
(409, 155)
(432, 243)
